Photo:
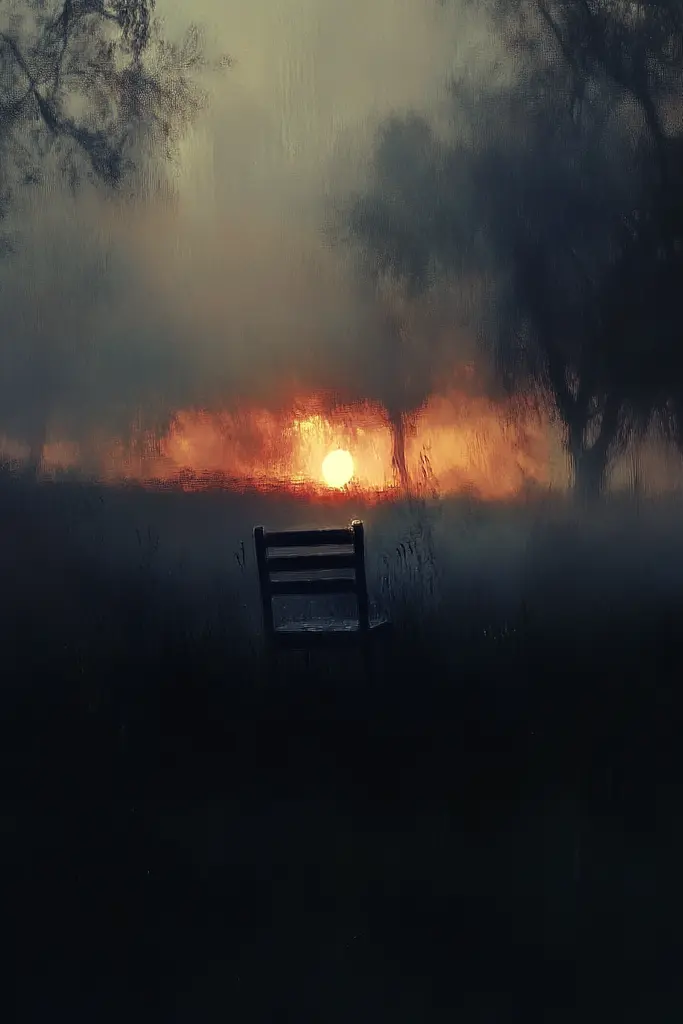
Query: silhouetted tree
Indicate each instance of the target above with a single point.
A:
(636, 49)
(90, 91)
(398, 243)
(497, 213)
(563, 194)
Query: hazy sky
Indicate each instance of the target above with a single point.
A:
(225, 294)
(311, 80)
(289, 131)
(221, 296)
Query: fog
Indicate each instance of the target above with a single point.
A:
(226, 275)
(92, 564)
(473, 825)
(221, 278)
(217, 278)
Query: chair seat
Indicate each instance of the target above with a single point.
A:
(323, 631)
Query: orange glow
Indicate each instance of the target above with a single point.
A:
(256, 447)
(456, 443)
(474, 444)
(337, 468)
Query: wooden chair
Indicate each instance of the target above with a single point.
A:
(328, 551)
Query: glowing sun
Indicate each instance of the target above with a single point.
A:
(337, 468)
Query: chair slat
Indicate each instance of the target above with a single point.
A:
(310, 563)
(320, 632)
(308, 538)
(279, 588)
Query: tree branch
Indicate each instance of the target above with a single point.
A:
(608, 428)
(557, 32)
(558, 381)
(63, 21)
(104, 158)
(11, 43)
(44, 106)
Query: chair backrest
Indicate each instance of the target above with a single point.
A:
(299, 573)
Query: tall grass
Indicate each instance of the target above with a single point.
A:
(487, 807)
(114, 584)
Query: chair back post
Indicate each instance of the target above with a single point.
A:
(361, 582)
(264, 581)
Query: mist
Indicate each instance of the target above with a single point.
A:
(216, 278)
(227, 277)
(374, 230)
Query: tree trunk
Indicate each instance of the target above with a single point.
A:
(398, 459)
(37, 439)
(589, 474)
(589, 464)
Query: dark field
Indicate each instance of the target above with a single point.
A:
(488, 831)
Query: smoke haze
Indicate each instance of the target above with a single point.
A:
(218, 281)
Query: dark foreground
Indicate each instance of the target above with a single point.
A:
(313, 853)
(489, 832)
